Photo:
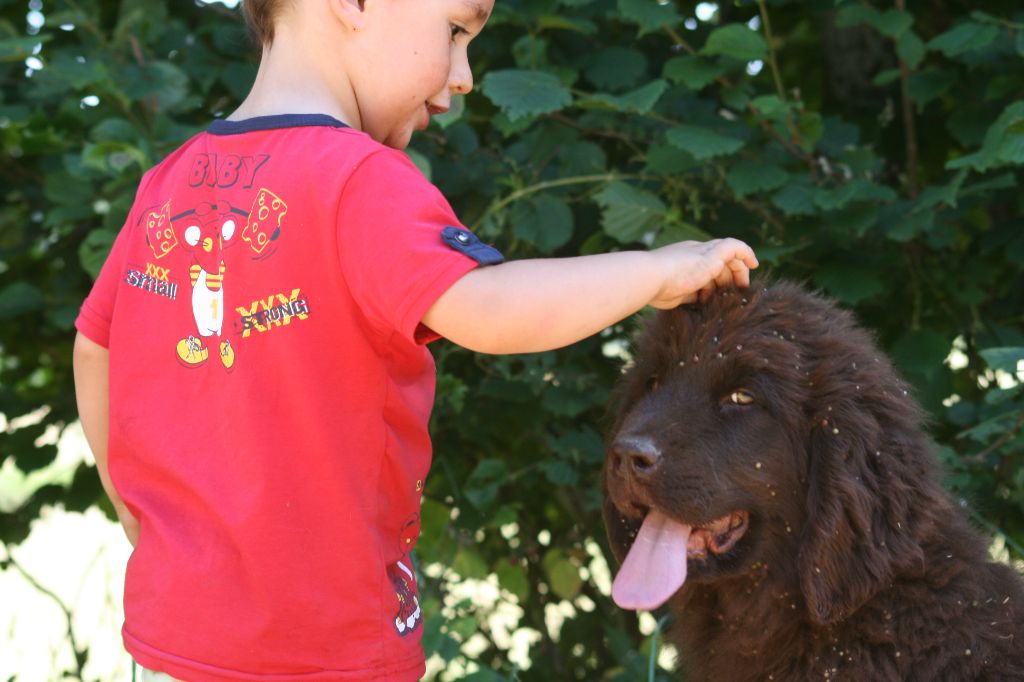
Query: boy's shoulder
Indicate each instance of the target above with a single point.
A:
(315, 143)
(325, 160)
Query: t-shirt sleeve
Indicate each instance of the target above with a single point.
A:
(97, 310)
(400, 244)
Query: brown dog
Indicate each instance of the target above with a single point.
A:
(769, 478)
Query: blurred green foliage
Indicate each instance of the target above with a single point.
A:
(872, 150)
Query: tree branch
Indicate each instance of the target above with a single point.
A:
(80, 656)
(909, 125)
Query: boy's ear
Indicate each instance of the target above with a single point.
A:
(349, 13)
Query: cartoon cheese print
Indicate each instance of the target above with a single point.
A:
(264, 224)
(403, 580)
(210, 230)
(159, 232)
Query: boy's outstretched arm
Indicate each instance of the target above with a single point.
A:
(535, 305)
(92, 362)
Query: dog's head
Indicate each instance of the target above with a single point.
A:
(765, 429)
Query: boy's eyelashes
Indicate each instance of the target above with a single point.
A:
(456, 30)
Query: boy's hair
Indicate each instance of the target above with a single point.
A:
(260, 16)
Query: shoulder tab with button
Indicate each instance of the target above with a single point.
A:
(469, 244)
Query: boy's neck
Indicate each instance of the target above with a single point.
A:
(290, 80)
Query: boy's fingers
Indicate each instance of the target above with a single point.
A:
(706, 291)
(740, 272)
(724, 279)
(733, 249)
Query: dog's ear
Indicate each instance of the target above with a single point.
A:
(872, 500)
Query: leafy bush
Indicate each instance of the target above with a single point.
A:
(872, 151)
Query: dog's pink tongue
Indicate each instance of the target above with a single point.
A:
(655, 566)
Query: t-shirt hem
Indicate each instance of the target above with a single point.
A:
(93, 326)
(418, 306)
(195, 671)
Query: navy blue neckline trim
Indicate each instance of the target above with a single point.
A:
(248, 125)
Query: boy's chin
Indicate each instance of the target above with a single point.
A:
(396, 139)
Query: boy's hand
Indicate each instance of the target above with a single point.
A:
(695, 269)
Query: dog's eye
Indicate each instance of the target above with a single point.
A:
(741, 397)
(652, 384)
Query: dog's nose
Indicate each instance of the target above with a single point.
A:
(636, 455)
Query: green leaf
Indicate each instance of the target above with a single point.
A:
(855, 190)
(1003, 145)
(922, 351)
(114, 130)
(910, 49)
(639, 101)
(512, 577)
(237, 77)
(521, 93)
(563, 574)
(893, 23)
(924, 86)
(570, 399)
(773, 255)
(1005, 358)
(616, 68)
(643, 99)
(967, 37)
(582, 158)
(812, 128)
(702, 143)
(737, 97)
(113, 156)
(19, 298)
(567, 23)
(482, 485)
(484, 675)
(771, 106)
(559, 472)
(649, 15)
(18, 49)
(935, 195)
(469, 564)
(544, 221)
(437, 642)
(627, 212)
(678, 231)
(692, 71)
(747, 177)
(164, 81)
(797, 198)
(736, 41)
(883, 78)
(507, 127)
(95, 248)
(664, 159)
(910, 226)
(854, 14)
(849, 283)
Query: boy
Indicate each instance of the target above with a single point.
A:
(256, 345)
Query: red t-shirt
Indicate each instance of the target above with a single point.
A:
(269, 398)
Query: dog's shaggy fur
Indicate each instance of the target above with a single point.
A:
(854, 563)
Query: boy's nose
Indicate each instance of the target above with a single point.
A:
(460, 80)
